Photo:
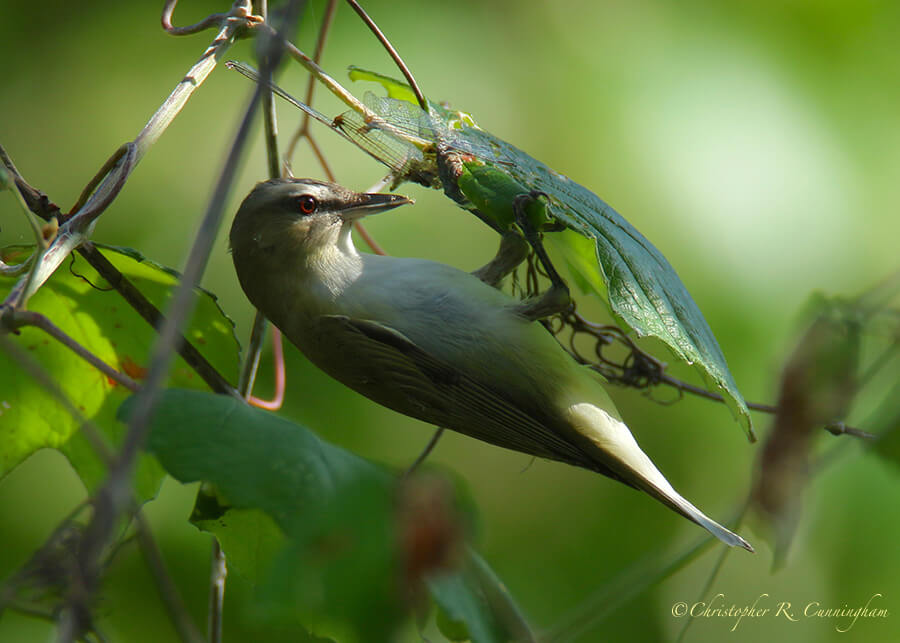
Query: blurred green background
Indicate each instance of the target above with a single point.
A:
(757, 145)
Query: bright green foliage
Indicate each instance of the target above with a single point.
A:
(95, 316)
(311, 526)
(641, 287)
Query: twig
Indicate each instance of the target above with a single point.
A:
(168, 591)
(76, 228)
(640, 369)
(392, 52)
(251, 361)
(371, 118)
(40, 205)
(839, 428)
(239, 10)
(36, 200)
(151, 314)
(681, 385)
(425, 452)
(218, 573)
(109, 497)
(113, 495)
(14, 270)
(303, 130)
(278, 358)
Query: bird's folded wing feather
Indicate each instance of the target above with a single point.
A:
(444, 395)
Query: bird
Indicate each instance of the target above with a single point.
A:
(429, 340)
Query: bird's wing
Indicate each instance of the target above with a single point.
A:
(432, 390)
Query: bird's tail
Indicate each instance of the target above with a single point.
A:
(617, 450)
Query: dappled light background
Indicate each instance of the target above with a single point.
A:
(757, 145)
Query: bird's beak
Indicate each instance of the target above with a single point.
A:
(373, 203)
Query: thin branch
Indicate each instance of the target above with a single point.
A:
(14, 301)
(839, 428)
(681, 385)
(303, 130)
(239, 10)
(251, 361)
(168, 591)
(40, 205)
(392, 52)
(640, 369)
(112, 497)
(151, 314)
(182, 304)
(37, 201)
(217, 576)
(425, 452)
(368, 238)
(342, 94)
(278, 358)
(14, 270)
(167, 588)
(77, 227)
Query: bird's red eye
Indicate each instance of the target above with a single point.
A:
(307, 204)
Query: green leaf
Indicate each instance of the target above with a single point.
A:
(394, 88)
(474, 605)
(640, 286)
(466, 614)
(101, 321)
(339, 568)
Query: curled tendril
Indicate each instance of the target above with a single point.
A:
(240, 10)
(638, 369)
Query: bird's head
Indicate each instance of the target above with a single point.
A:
(301, 217)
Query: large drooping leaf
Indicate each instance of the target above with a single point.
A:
(619, 264)
(81, 303)
(314, 528)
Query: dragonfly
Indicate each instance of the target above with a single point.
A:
(427, 143)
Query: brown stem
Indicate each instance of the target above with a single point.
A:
(168, 591)
(240, 9)
(303, 130)
(392, 52)
(151, 314)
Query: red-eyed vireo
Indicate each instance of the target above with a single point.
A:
(428, 340)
